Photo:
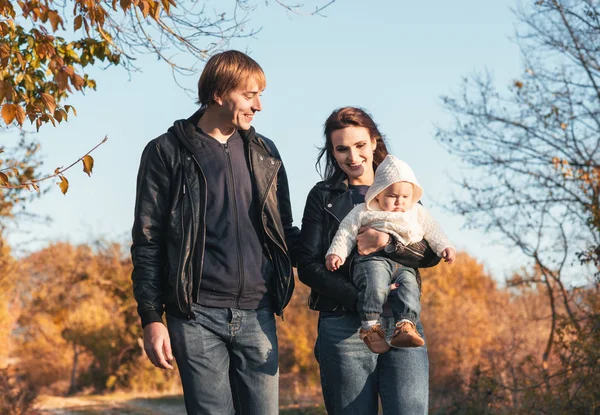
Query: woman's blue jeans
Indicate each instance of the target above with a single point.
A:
(228, 360)
(353, 377)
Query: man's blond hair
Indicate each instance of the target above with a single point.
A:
(226, 72)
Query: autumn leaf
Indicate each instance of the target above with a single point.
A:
(70, 107)
(88, 164)
(125, 4)
(518, 84)
(144, 7)
(77, 22)
(19, 114)
(9, 112)
(3, 179)
(55, 20)
(63, 184)
(49, 102)
(563, 126)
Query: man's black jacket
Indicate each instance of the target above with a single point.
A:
(169, 221)
(326, 205)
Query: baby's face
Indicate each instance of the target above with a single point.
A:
(396, 198)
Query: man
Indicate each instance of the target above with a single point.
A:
(211, 240)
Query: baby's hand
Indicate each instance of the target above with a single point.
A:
(333, 262)
(449, 254)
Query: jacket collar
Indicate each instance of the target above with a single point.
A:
(340, 204)
(187, 128)
(335, 183)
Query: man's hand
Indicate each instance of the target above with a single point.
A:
(370, 240)
(333, 262)
(157, 345)
(449, 254)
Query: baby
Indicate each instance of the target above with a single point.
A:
(390, 206)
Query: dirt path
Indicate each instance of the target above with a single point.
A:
(120, 404)
(112, 404)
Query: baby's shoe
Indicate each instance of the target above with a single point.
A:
(406, 335)
(374, 338)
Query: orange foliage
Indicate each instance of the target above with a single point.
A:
(81, 332)
(81, 320)
(472, 325)
(460, 304)
(8, 305)
(297, 334)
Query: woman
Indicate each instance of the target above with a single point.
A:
(352, 377)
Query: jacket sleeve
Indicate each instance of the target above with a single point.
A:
(291, 232)
(345, 237)
(311, 260)
(148, 250)
(415, 255)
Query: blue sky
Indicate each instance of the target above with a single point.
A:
(393, 58)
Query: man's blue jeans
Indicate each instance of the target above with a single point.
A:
(228, 360)
(352, 377)
(372, 275)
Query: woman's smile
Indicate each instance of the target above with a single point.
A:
(353, 150)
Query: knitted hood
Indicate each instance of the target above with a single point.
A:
(390, 171)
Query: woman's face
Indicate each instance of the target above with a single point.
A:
(353, 150)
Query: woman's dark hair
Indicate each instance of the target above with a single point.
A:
(340, 119)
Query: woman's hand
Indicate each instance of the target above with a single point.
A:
(370, 240)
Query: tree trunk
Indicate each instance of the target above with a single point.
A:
(73, 386)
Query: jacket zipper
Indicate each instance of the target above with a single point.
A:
(236, 224)
(316, 301)
(192, 244)
(195, 225)
(263, 207)
(181, 253)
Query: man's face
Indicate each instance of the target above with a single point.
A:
(396, 198)
(239, 106)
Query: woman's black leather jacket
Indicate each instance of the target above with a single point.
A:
(327, 204)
